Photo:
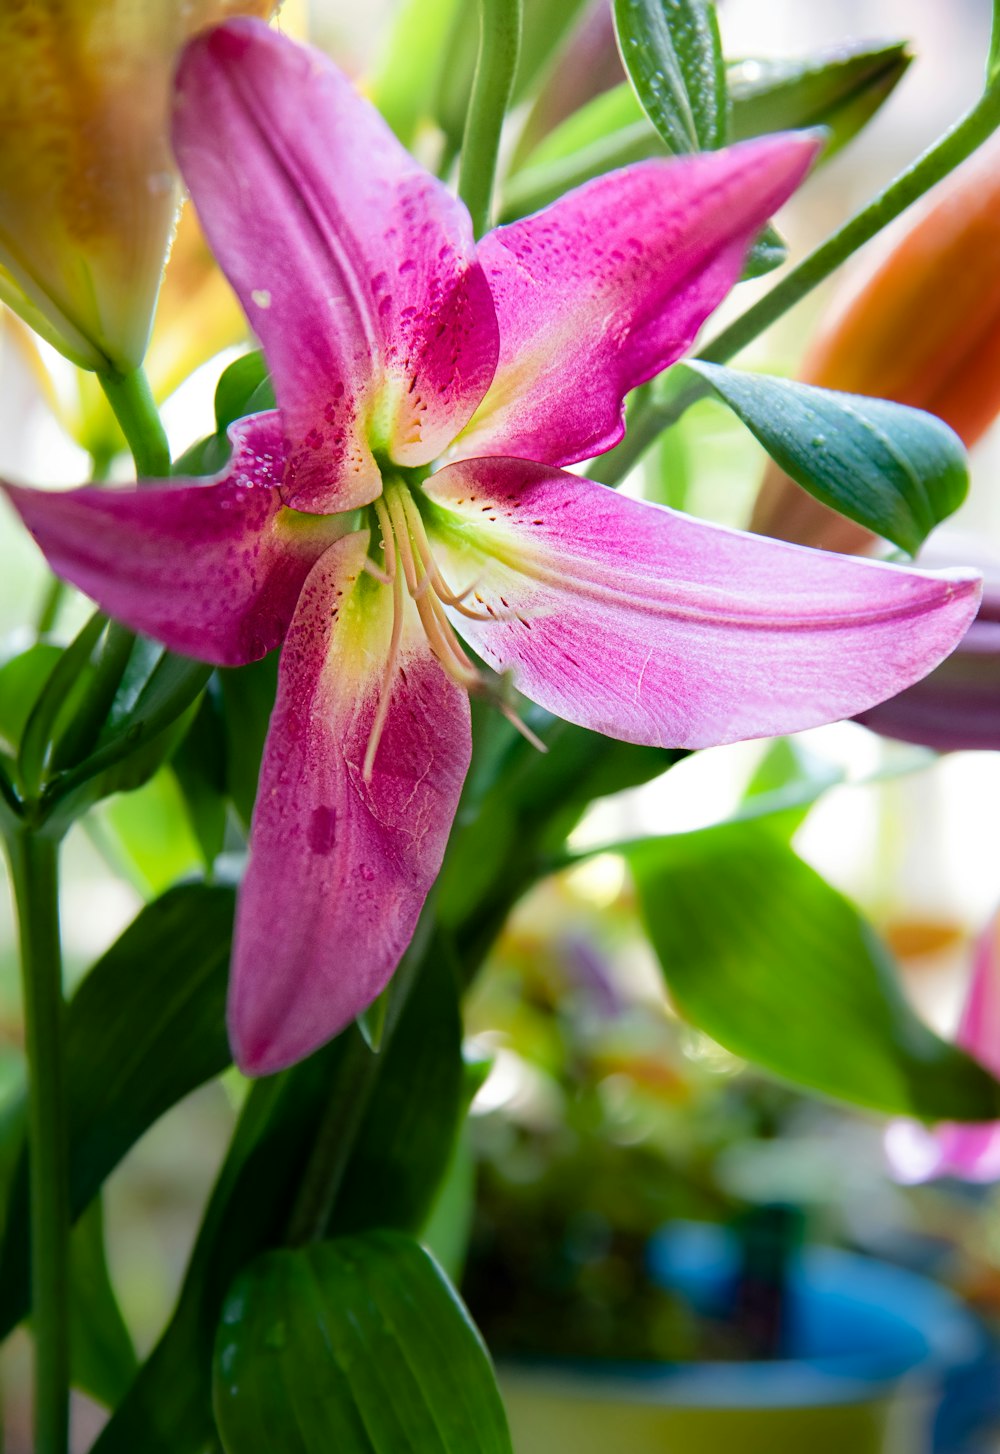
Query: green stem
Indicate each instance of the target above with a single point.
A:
(496, 66)
(34, 874)
(953, 148)
(48, 611)
(135, 409)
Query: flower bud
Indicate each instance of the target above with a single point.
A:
(921, 326)
(88, 190)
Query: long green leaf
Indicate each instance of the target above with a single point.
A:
(408, 1131)
(145, 1028)
(673, 55)
(760, 952)
(168, 1409)
(359, 1345)
(897, 471)
(103, 1359)
(838, 89)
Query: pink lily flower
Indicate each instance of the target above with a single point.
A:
(408, 499)
(920, 1153)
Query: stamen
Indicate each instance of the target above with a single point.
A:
(515, 721)
(388, 542)
(433, 573)
(385, 688)
(403, 530)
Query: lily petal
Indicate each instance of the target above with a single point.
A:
(213, 570)
(610, 284)
(651, 626)
(957, 707)
(355, 267)
(340, 866)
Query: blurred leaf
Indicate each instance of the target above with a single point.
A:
(341, 1088)
(405, 82)
(248, 694)
(409, 1127)
(150, 714)
(199, 765)
(673, 55)
(545, 25)
(243, 388)
(22, 678)
(788, 773)
(168, 1409)
(55, 700)
(768, 252)
(762, 954)
(146, 1027)
(897, 471)
(147, 836)
(103, 1359)
(840, 89)
(312, 1339)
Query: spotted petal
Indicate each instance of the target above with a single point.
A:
(609, 285)
(355, 266)
(213, 570)
(650, 626)
(340, 866)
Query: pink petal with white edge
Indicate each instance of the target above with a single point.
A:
(339, 867)
(610, 284)
(212, 569)
(920, 1153)
(355, 266)
(653, 627)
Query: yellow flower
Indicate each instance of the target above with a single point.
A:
(88, 191)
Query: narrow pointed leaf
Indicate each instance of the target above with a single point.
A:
(409, 1128)
(103, 1358)
(897, 471)
(673, 56)
(168, 1409)
(146, 1027)
(359, 1345)
(840, 89)
(22, 678)
(762, 954)
(768, 252)
(51, 703)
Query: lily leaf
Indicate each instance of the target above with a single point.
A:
(898, 471)
(103, 1359)
(673, 55)
(22, 678)
(762, 954)
(312, 1340)
(838, 89)
(146, 1027)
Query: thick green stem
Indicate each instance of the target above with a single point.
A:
(34, 874)
(135, 409)
(650, 419)
(496, 66)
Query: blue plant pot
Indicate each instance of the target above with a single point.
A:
(866, 1349)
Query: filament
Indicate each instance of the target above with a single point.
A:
(409, 561)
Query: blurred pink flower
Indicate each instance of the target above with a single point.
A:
(920, 1153)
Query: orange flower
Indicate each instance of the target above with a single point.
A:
(88, 191)
(920, 326)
